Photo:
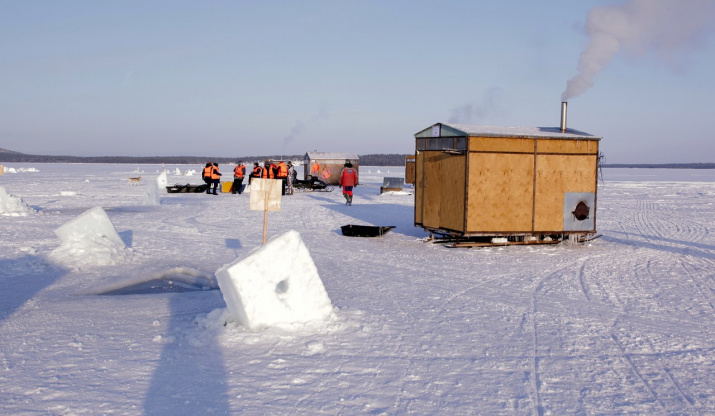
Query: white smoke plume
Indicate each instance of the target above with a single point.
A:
(469, 113)
(639, 27)
(299, 126)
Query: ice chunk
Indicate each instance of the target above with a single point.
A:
(88, 240)
(12, 205)
(260, 291)
(161, 180)
(151, 194)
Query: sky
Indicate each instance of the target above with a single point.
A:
(223, 78)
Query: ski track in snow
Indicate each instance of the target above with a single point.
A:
(621, 325)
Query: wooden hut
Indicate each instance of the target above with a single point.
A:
(410, 169)
(510, 185)
(327, 166)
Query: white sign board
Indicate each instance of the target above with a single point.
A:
(436, 131)
(265, 194)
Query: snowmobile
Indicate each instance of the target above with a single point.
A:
(311, 184)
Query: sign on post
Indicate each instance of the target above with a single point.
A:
(265, 196)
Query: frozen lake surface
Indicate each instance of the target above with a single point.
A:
(621, 325)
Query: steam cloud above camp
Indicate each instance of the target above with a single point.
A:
(639, 27)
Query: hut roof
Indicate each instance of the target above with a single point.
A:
(463, 130)
(331, 155)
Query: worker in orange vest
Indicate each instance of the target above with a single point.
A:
(282, 175)
(206, 176)
(315, 170)
(238, 173)
(348, 180)
(268, 172)
(256, 172)
(215, 177)
(325, 175)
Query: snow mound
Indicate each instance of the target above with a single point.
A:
(89, 240)
(12, 206)
(261, 292)
(20, 170)
(396, 193)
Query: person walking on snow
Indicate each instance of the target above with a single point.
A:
(348, 180)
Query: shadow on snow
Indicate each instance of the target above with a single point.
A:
(18, 278)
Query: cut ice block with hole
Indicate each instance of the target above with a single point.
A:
(277, 284)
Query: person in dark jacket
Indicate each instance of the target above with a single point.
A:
(215, 177)
(206, 176)
(238, 173)
(256, 172)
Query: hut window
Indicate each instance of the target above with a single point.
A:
(441, 143)
(460, 143)
(421, 144)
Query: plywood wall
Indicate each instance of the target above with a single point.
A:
(500, 192)
(556, 175)
(419, 187)
(501, 145)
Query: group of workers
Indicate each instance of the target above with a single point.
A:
(270, 170)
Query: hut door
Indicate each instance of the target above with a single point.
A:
(431, 202)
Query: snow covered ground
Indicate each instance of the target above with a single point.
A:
(622, 325)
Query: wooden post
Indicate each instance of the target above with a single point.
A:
(265, 225)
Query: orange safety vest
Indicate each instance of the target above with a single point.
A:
(282, 170)
(239, 171)
(207, 172)
(267, 172)
(257, 172)
(214, 173)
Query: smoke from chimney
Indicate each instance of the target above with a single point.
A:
(639, 27)
(299, 126)
(476, 112)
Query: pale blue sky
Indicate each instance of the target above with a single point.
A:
(225, 78)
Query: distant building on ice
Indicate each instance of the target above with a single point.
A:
(506, 185)
(327, 166)
(410, 169)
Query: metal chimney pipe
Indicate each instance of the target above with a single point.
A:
(563, 116)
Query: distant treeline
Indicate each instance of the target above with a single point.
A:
(15, 157)
(365, 160)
